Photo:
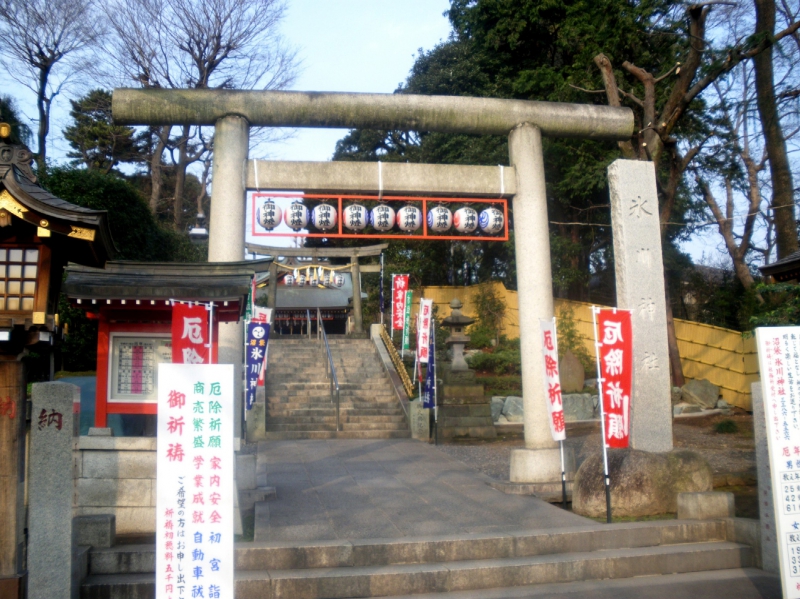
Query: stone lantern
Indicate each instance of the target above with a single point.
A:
(457, 322)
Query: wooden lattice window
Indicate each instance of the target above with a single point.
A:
(19, 268)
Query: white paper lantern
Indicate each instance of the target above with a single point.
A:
(491, 220)
(439, 219)
(382, 217)
(409, 218)
(268, 214)
(288, 280)
(323, 217)
(301, 280)
(355, 217)
(296, 216)
(326, 280)
(338, 280)
(465, 220)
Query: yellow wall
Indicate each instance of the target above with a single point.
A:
(724, 357)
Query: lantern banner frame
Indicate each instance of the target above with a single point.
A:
(194, 486)
(399, 288)
(779, 365)
(190, 334)
(340, 232)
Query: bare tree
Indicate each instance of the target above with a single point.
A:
(663, 103)
(783, 205)
(219, 44)
(44, 43)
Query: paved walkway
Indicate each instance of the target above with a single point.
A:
(356, 489)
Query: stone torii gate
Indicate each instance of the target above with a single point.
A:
(355, 268)
(634, 203)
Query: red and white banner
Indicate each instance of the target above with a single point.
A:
(552, 380)
(399, 289)
(424, 329)
(615, 352)
(190, 342)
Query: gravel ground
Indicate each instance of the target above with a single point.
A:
(726, 453)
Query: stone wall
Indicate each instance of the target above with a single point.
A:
(117, 475)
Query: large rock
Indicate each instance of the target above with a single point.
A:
(513, 409)
(497, 407)
(700, 393)
(572, 375)
(578, 406)
(642, 483)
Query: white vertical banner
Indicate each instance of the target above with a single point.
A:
(424, 329)
(195, 482)
(552, 379)
(779, 365)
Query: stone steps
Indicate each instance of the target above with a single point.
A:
(298, 393)
(472, 562)
(331, 417)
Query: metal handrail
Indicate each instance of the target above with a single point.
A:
(308, 324)
(398, 363)
(330, 371)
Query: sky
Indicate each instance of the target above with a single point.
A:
(355, 46)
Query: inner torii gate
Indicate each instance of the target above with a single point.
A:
(232, 113)
(355, 268)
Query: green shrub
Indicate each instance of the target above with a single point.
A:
(498, 362)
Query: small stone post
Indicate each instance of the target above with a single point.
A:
(355, 269)
(769, 543)
(640, 287)
(540, 461)
(226, 233)
(50, 491)
(12, 472)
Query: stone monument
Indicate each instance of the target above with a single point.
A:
(464, 411)
(50, 490)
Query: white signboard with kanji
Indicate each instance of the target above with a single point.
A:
(195, 486)
(779, 363)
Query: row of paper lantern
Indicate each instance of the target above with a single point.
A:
(382, 218)
(313, 277)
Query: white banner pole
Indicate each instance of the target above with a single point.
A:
(606, 477)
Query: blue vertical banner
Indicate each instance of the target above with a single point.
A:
(256, 348)
(380, 301)
(429, 391)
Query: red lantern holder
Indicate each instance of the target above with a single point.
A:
(422, 202)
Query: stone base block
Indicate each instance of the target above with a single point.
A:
(473, 432)
(246, 472)
(541, 465)
(129, 520)
(710, 505)
(99, 531)
(550, 492)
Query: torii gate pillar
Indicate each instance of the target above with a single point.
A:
(540, 461)
(226, 233)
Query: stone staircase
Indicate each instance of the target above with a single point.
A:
(298, 393)
(511, 564)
